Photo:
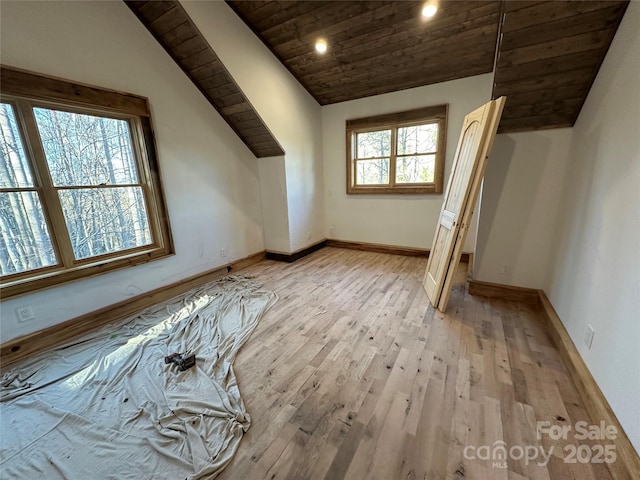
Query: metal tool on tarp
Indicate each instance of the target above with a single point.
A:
(182, 363)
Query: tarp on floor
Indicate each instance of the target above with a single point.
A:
(107, 405)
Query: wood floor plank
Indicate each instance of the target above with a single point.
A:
(353, 375)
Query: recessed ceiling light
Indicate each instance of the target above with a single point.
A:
(429, 10)
(321, 46)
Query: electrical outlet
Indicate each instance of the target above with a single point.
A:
(309, 235)
(25, 313)
(505, 270)
(588, 336)
(331, 231)
(223, 252)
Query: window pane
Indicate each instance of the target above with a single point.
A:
(85, 149)
(105, 220)
(25, 243)
(372, 172)
(417, 169)
(418, 139)
(374, 144)
(14, 169)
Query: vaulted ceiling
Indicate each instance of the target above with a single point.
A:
(544, 54)
(170, 25)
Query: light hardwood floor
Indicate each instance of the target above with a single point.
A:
(353, 375)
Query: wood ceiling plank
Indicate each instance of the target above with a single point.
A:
(247, 122)
(188, 48)
(554, 80)
(337, 24)
(240, 117)
(542, 122)
(242, 107)
(564, 63)
(395, 37)
(439, 60)
(232, 99)
(208, 71)
(560, 107)
(385, 22)
(379, 15)
(276, 13)
(556, 48)
(537, 96)
(519, 5)
(550, 49)
(152, 10)
(328, 20)
(250, 131)
(168, 20)
(220, 80)
(330, 93)
(222, 90)
(481, 38)
(270, 152)
(261, 139)
(430, 69)
(262, 145)
(452, 14)
(251, 6)
(549, 56)
(201, 58)
(603, 19)
(179, 34)
(549, 11)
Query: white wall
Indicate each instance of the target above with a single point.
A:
(561, 209)
(519, 207)
(595, 278)
(211, 180)
(286, 107)
(402, 220)
(275, 211)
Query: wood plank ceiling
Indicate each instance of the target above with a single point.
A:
(169, 23)
(544, 54)
(548, 58)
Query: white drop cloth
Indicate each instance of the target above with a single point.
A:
(108, 407)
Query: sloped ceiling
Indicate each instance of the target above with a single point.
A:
(169, 23)
(544, 54)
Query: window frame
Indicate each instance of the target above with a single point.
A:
(393, 121)
(26, 91)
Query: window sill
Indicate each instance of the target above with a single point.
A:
(53, 278)
(404, 190)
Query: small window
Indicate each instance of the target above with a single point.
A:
(397, 153)
(79, 184)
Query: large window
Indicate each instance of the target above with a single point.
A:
(397, 153)
(79, 185)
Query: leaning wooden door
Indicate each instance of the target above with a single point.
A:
(478, 131)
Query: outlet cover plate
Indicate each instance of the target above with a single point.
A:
(25, 313)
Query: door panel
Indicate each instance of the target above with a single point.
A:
(478, 131)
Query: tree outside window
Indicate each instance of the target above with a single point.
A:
(79, 187)
(397, 153)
